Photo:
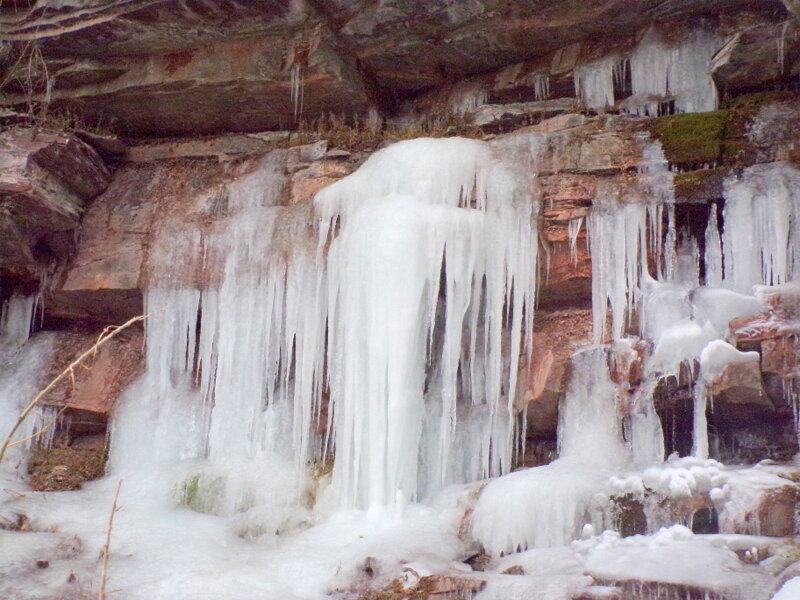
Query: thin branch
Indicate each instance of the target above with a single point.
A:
(107, 334)
(42, 430)
(104, 575)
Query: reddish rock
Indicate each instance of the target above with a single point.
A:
(753, 329)
(543, 382)
(749, 57)
(773, 514)
(45, 181)
(779, 355)
(96, 385)
(178, 68)
(740, 383)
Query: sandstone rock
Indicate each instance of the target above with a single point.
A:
(97, 385)
(499, 117)
(779, 356)
(178, 68)
(45, 181)
(222, 147)
(305, 183)
(146, 202)
(600, 592)
(745, 330)
(751, 58)
(543, 383)
(431, 40)
(740, 383)
(773, 514)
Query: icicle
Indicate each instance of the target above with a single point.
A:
(594, 83)
(466, 97)
(16, 320)
(782, 49)
(541, 87)
(713, 252)
(296, 83)
(238, 391)
(699, 421)
(679, 72)
(617, 243)
(574, 230)
(761, 240)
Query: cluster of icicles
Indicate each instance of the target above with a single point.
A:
(383, 326)
(397, 328)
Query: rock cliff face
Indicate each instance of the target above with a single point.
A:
(126, 124)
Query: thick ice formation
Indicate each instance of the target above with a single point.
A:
(761, 240)
(679, 72)
(594, 82)
(22, 363)
(221, 387)
(660, 72)
(451, 247)
(719, 353)
(549, 505)
(16, 320)
(411, 310)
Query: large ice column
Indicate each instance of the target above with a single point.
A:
(431, 277)
(23, 362)
(235, 352)
(404, 295)
(713, 252)
(617, 242)
(679, 71)
(625, 230)
(549, 505)
(761, 237)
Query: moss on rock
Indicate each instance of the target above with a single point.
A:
(692, 138)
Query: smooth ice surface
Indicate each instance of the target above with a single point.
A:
(23, 363)
(673, 555)
(789, 590)
(549, 505)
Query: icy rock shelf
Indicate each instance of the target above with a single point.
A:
(388, 342)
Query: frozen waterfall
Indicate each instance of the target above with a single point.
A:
(393, 316)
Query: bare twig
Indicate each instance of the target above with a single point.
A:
(107, 334)
(35, 435)
(104, 575)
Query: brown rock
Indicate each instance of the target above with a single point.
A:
(779, 356)
(750, 57)
(222, 147)
(45, 181)
(97, 385)
(307, 182)
(740, 383)
(773, 514)
(753, 329)
(445, 587)
(173, 68)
